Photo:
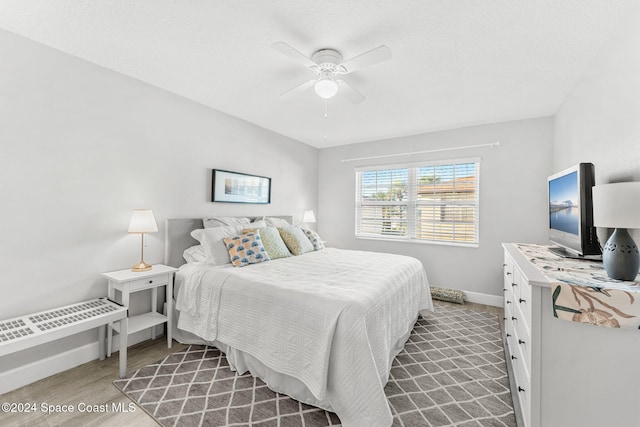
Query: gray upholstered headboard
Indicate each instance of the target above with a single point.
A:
(178, 237)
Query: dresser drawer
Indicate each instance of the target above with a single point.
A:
(522, 338)
(522, 300)
(507, 271)
(508, 323)
(509, 301)
(522, 373)
(522, 297)
(522, 390)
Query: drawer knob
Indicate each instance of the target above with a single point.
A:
(508, 273)
(504, 265)
(520, 388)
(514, 318)
(150, 281)
(514, 284)
(504, 290)
(508, 335)
(513, 357)
(520, 341)
(522, 300)
(508, 302)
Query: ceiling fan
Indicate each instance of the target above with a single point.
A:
(328, 66)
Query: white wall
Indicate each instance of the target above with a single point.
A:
(81, 146)
(512, 197)
(599, 121)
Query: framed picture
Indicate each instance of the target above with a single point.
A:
(234, 187)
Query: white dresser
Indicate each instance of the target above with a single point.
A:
(565, 374)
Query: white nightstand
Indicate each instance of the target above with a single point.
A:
(128, 282)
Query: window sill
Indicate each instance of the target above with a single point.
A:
(420, 242)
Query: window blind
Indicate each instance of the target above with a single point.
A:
(431, 202)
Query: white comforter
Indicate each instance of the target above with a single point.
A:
(331, 319)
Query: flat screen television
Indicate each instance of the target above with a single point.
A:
(571, 212)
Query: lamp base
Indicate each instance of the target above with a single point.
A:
(142, 266)
(620, 256)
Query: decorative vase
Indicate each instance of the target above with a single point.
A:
(620, 256)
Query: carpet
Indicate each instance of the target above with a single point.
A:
(451, 372)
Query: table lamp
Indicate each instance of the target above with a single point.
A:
(618, 206)
(142, 221)
(308, 217)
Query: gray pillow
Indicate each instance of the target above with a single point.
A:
(225, 221)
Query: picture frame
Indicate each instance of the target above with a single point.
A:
(237, 187)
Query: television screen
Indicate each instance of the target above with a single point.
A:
(564, 203)
(571, 212)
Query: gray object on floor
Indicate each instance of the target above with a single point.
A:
(449, 295)
(451, 372)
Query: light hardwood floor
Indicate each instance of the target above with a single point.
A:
(91, 384)
(88, 384)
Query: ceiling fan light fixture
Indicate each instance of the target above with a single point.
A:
(326, 87)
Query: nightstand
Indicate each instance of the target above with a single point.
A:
(128, 282)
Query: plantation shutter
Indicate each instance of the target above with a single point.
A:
(430, 202)
(381, 209)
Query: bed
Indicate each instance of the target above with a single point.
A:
(322, 327)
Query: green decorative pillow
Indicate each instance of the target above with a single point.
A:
(314, 238)
(246, 249)
(295, 239)
(272, 242)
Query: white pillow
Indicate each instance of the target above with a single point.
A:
(225, 221)
(259, 223)
(195, 253)
(276, 222)
(211, 240)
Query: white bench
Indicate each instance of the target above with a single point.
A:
(30, 330)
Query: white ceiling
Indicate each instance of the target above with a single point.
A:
(455, 62)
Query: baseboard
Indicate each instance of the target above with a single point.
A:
(40, 369)
(486, 299)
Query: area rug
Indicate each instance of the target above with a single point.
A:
(451, 372)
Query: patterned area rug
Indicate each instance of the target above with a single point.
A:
(451, 372)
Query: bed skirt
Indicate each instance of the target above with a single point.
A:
(242, 362)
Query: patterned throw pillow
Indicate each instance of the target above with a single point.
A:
(315, 239)
(272, 242)
(246, 249)
(295, 239)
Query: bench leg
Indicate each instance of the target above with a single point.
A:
(124, 324)
(101, 332)
(109, 339)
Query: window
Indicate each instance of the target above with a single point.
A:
(428, 202)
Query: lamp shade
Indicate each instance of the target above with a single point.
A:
(142, 221)
(616, 205)
(308, 217)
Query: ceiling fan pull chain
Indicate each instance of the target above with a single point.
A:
(326, 116)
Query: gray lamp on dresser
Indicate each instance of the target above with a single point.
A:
(617, 206)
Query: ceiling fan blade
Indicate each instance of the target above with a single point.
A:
(293, 54)
(350, 92)
(299, 88)
(374, 56)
